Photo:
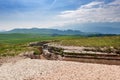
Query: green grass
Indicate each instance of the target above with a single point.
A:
(22, 38)
(14, 44)
(113, 41)
(11, 50)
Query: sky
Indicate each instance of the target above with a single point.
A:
(61, 14)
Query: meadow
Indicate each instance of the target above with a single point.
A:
(111, 41)
(14, 44)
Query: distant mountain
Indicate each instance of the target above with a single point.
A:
(46, 31)
(104, 28)
(54, 32)
(2, 31)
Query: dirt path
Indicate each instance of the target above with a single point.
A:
(32, 69)
(11, 59)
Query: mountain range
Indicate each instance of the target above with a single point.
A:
(104, 28)
(53, 32)
(46, 31)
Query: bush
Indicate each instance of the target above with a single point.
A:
(36, 52)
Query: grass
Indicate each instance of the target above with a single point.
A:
(11, 50)
(22, 38)
(14, 44)
(113, 41)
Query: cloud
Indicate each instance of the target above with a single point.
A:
(92, 5)
(50, 13)
(96, 11)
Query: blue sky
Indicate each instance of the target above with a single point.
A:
(57, 13)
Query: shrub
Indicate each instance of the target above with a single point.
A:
(36, 52)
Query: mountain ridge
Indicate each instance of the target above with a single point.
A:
(53, 32)
(45, 31)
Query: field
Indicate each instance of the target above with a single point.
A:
(113, 41)
(14, 44)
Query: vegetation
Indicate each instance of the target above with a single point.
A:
(12, 50)
(112, 41)
(37, 52)
(14, 44)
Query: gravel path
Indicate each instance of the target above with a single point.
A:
(31, 69)
(11, 59)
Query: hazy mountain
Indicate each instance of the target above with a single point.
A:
(2, 30)
(54, 32)
(104, 28)
(47, 31)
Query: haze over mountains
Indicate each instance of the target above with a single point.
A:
(54, 32)
(75, 29)
(46, 31)
(104, 28)
(101, 16)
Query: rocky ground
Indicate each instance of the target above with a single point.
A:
(35, 69)
(11, 59)
(78, 49)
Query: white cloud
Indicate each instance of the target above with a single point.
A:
(94, 12)
(92, 4)
(116, 2)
